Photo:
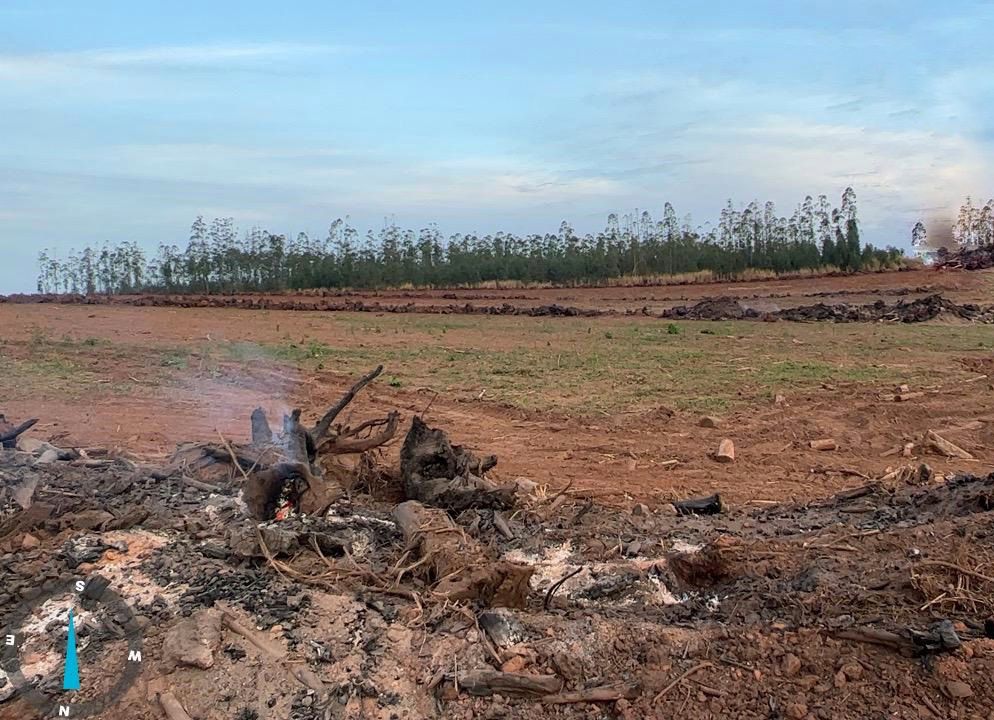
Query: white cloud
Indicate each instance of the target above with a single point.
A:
(56, 64)
(347, 178)
(899, 175)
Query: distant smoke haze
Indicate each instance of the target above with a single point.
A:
(940, 233)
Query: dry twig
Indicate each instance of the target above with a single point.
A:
(696, 668)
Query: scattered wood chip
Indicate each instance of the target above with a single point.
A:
(824, 444)
(904, 397)
(937, 443)
(725, 452)
(172, 707)
(641, 509)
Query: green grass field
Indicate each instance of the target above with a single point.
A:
(574, 366)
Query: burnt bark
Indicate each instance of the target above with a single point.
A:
(348, 443)
(298, 443)
(262, 434)
(440, 474)
(9, 433)
(710, 505)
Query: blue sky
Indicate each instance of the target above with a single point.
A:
(124, 120)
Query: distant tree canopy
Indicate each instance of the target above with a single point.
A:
(816, 235)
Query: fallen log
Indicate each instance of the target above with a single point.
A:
(604, 693)
(206, 487)
(438, 473)
(874, 636)
(846, 496)
(494, 682)
(725, 452)
(459, 567)
(247, 458)
(939, 444)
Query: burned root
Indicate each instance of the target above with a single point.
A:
(457, 566)
(438, 473)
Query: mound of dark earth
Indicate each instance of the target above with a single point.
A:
(975, 259)
(906, 311)
(720, 308)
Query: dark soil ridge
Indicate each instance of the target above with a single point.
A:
(718, 308)
(905, 311)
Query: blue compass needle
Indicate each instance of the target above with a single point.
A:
(70, 679)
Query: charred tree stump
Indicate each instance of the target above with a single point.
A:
(265, 486)
(262, 434)
(440, 474)
(270, 463)
(298, 444)
(9, 433)
(458, 565)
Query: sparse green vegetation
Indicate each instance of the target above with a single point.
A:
(573, 366)
(178, 358)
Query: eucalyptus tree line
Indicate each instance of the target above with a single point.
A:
(215, 259)
(972, 229)
(974, 225)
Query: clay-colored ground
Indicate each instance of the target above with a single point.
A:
(602, 403)
(762, 295)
